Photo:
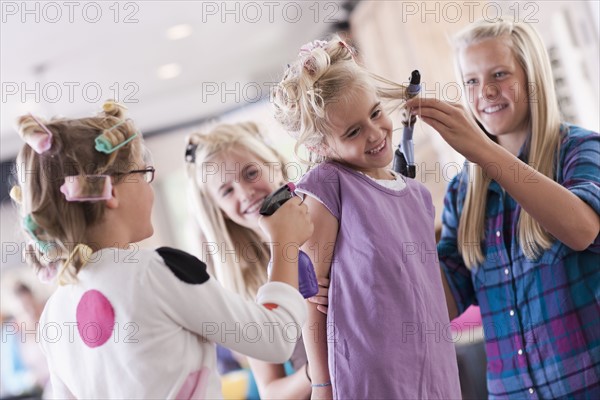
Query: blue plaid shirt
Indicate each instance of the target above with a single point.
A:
(541, 318)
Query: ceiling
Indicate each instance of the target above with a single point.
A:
(63, 59)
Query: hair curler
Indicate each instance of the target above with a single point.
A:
(404, 156)
(111, 140)
(34, 230)
(87, 188)
(307, 279)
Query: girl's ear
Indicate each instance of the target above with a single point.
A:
(113, 202)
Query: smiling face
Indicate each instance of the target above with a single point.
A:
(241, 184)
(496, 88)
(361, 133)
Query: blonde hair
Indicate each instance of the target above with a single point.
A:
(248, 270)
(544, 141)
(62, 225)
(323, 75)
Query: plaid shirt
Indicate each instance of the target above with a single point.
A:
(541, 318)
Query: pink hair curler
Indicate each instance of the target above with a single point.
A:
(40, 142)
(87, 188)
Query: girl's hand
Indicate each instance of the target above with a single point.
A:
(456, 125)
(289, 224)
(321, 298)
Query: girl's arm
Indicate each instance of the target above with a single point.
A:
(262, 330)
(450, 302)
(182, 290)
(564, 215)
(273, 383)
(320, 249)
(287, 229)
(456, 277)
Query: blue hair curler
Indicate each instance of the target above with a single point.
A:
(33, 229)
(105, 145)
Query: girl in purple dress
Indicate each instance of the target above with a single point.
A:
(386, 334)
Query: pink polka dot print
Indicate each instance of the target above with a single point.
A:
(95, 318)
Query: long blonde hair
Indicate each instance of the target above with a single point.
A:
(61, 225)
(247, 271)
(323, 74)
(544, 124)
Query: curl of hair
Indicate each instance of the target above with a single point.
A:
(529, 50)
(245, 272)
(120, 128)
(26, 125)
(30, 131)
(117, 135)
(317, 79)
(114, 109)
(63, 224)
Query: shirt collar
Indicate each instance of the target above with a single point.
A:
(523, 156)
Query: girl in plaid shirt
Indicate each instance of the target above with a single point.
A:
(521, 221)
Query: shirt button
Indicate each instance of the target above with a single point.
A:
(520, 352)
(506, 271)
(497, 233)
(531, 390)
(512, 312)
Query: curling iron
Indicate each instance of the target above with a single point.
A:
(404, 156)
(307, 279)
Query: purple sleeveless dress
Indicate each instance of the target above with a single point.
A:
(388, 330)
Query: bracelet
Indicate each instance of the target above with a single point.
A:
(321, 384)
(307, 375)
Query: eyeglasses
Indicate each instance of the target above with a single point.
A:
(148, 173)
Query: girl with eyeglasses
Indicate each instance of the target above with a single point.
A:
(127, 322)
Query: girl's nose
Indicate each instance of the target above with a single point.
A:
(247, 192)
(375, 133)
(489, 91)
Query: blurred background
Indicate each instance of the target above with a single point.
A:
(182, 66)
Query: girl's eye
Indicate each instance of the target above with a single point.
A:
(225, 192)
(353, 133)
(499, 74)
(376, 114)
(251, 174)
(470, 82)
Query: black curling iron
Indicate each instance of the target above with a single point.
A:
(404, 156)
(307, 279)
